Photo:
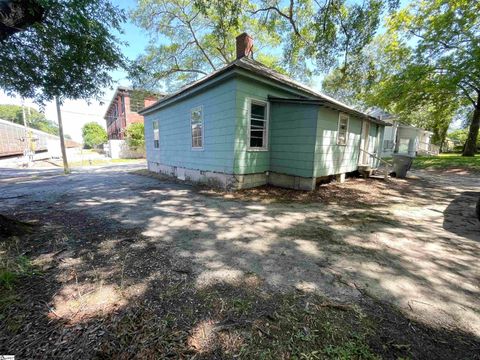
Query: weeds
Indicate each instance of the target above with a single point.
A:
(7, 278)
(11, 269)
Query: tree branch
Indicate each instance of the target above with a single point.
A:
(467, 94)
(288, 17)
(189, 25)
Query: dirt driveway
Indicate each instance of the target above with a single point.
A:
(414, 243)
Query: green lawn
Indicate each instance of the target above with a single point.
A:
(448, 161)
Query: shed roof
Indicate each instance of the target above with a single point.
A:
(258, 68)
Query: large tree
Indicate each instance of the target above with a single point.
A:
(68, 55)
(328, 32)
(445, 62)
(193, 38)
(426, 64)
(34, 118)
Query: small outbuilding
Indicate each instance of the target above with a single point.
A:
(246, 125)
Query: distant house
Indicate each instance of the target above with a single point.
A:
(404, 139)
(246, 125)
(123, 110)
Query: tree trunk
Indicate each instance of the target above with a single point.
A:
(62, 140)
(470, 147)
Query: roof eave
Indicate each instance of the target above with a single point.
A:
(114, 96)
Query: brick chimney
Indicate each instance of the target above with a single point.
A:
(244, 46)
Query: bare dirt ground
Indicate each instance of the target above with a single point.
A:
(123, 265)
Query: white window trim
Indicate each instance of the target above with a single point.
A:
(338, 129)
(251, 101)
(153, 135)
(203, 129)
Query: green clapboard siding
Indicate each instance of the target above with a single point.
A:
(330, 158)
(302, 137)
(292, 134)
(218, 104)
(250, 162)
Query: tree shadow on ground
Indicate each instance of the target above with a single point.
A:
(128, 298)
(460, 217)
(137, 268)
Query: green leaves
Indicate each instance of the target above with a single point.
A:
(301, 37)
(425, 68)
(135, 136)
(69, 54)
(93, 135)
(197, 38)
(35, 119)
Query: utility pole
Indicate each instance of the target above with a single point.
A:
(26, 142)
(62, 140)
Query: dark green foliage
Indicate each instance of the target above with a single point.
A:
(35, 119)
(18, 15)
(93, 135)
(69, 54)
(201, 35)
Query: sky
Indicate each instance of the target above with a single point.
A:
(76, 113)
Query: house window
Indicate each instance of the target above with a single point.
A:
(156, 135)
(342, 133)
(196, 122)
(258, 125)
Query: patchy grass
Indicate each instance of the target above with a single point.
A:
(13, 263)
(14, 269)
(174, 318)
(448, 162)
(94, 301)
(224, 321)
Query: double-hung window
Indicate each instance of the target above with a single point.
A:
(156, 135)
(258, 125)
(342, 134)
(196, 122)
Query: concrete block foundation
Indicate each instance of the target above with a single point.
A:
(233, 181)
(291, 181)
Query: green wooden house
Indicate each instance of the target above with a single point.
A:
(247, 125)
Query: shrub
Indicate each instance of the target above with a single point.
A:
(135, 135)
(93, 135)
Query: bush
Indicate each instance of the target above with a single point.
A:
(93, 135)
(135, 135)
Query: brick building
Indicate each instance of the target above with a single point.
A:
(124, 107)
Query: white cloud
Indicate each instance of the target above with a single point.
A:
(75, 113)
